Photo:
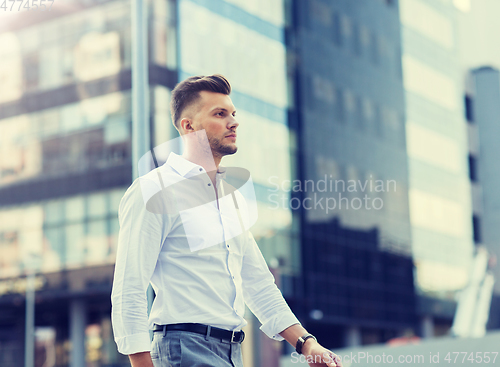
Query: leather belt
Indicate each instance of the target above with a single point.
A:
(228, 335)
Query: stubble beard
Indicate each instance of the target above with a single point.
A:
(221, 149)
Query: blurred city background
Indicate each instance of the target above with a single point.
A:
(403, 91)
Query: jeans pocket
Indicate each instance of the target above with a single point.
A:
(155, 348)
(172, 349)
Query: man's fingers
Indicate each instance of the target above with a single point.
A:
(331, 359)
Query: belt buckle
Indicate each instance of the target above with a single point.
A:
(240, 339)
(232, 337)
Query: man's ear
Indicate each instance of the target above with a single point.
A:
(186, 125)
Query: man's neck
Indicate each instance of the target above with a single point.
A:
(209, 161)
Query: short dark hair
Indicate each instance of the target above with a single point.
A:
(188, 91)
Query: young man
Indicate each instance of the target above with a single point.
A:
(183, 232)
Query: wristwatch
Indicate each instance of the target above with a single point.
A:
(300, 342)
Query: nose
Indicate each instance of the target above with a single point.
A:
(233, 124)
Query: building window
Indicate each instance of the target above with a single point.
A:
(337, 29)
(437, 27)
(432, 147)
(473, 168)
(386, 52)
(50, 141)
(364, 39)
(378, 120)
(368, 111)
(323, 89)
(476, 228)
(346, 29)
(469, 111)
(398, 64)
(350, 104)
(357, 42)
(429, 82)
(360, 115)
(375, 48)
(31, 71)
(340, 107)
(320, 12)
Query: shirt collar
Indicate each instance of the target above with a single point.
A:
(183, 166)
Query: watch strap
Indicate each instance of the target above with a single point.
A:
(300, 342)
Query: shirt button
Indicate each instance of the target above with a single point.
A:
(227, 246)
(233, 276)
(201, 169)
(209, 184)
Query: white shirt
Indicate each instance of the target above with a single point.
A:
(202, 263)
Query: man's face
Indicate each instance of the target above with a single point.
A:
(215, 113)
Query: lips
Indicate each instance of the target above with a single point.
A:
(231, 136)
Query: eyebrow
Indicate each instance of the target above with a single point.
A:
(222, 109)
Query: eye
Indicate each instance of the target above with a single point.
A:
(219, 113)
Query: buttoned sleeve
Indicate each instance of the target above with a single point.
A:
(261, 294)
(141, 235)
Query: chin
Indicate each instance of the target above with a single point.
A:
(228, 149)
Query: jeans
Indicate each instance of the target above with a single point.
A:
(188, 349)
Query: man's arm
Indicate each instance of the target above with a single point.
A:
(142, 359)
(141, 236)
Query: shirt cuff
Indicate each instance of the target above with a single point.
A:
(134, 343)
(277, 324)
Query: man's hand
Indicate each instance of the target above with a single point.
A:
(318, 356)
(142, 359)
